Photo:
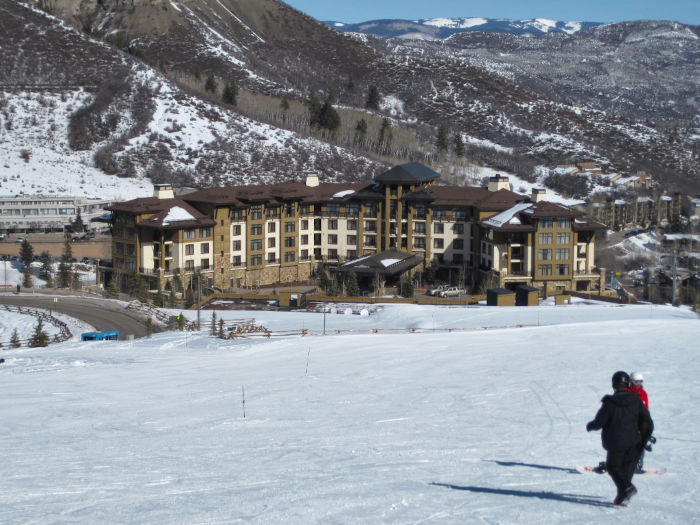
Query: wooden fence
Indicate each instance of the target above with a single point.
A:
(64, 332)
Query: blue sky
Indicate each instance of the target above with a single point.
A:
(686, 11)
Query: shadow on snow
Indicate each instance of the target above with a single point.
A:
(568, 498)
(533, 465)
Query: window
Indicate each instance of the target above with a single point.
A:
(459, 213)
(352, 209)
(419, 243)
(289, 257)
(204, 247)
(317, 225)
(563, 238)
(130, 249)
(546, 238)
(420, 211)
(256, 245)
(457, 258)
(332, 224)
(271, 242)
(236, 260)
(438, 227)
(562, 269)
(562, 254)
(351, 240)
(370, 210)
(205, 232)
(545, 255)
(290, 227)
(304, 255)
(438, 244)
(236, 215)
(440, 213)
(458, 244)
(273, 212)
(304, 239)
(256, 229)
(256, 213)
(271, 258)
(256, 260)
(419, 228)
(205, 264)
(544, 270)
(333, 254)
(290, 242)
(352, 225)
(563, 222)
(236, 229)
(236, 246)
(333, 208)
(458, 228)
(289, 209)
(271, 227)
(332, 239)
(305, 224)
(119, 248)
(189, 265)
(370, 226)
(370, 240)
(546, 223)
(189, 234)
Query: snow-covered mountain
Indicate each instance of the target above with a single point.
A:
(120, 89)
(373, 425)
(440, 28)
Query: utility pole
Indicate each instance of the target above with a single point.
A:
(674, 277)
(199, 298)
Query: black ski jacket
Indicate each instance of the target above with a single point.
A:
(625, 421)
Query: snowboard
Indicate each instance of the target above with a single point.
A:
(591, 470)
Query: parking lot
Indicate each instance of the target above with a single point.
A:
(99, 247)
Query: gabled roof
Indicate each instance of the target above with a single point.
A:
(165, 214)
(522, 217)
(411, 173)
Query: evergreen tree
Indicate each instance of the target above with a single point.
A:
(360, 131)
(230, 94)
(27, 277)
(372, 98)
(46, 269)
(14, 339)
(26, 253)
(328, 117)
(78, 225)
(177, 284)
(76, 283)
(333, 286)
(441, 141)
(322, 276)
(221, 328)
(458, 145)
(136, 287)
(213, 323)
(314, 105)
(353, 288)
(284, 104)
(385, 134)
(210, 85)
(111, 290)
(149, 327)
(171, 299)
(189, 298)
(39, 337)
(406, 286)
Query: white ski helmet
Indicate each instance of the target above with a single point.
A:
(636, 377)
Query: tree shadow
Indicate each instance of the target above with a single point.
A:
(568, 498)
(533, 465)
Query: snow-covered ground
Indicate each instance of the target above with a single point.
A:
(471, 426)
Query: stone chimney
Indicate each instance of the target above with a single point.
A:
(539, 195)
(163, 191)
(312, 180)
(499, 182)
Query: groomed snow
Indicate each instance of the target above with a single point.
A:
(476, 426)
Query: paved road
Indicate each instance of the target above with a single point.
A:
(103, 315)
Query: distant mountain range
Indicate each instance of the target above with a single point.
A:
(439, 28)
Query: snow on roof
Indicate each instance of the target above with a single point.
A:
(508, 216)
(389, 262)
(177, 214)
(343, 193)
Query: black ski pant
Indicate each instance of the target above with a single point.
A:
(620, 465)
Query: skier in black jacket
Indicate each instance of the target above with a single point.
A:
(627, 426)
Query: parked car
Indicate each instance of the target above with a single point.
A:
(89, 235)
(77, 238)
(453, 291)
(438, 289)
(85, 260)
(19, 239)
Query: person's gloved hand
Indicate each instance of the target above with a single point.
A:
(589, 426)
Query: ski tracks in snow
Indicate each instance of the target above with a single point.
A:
(555, 414)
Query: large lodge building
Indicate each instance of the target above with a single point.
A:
(260, 235)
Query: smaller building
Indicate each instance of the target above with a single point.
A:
(527, 296)
(500, 297)
(39, 213)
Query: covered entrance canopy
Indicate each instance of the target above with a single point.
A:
(389, 264)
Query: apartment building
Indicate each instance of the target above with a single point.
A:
(22, 214)
(260, 235)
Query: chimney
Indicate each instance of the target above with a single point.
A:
(163, 191)
(312, 180)
(539, 195)
(499, 182)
